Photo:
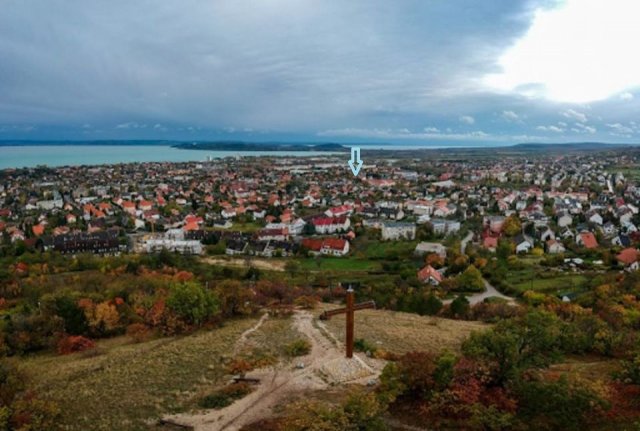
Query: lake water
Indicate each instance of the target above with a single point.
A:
(73, 155)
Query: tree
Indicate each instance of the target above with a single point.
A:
(460, 306)
(512, 226)
(471, 280)
(515, 345)
(433, 305)
(557, 405)
(66, 307)
(192, 303)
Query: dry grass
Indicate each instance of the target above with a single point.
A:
(404, 332)
(264, 264)
(128, 385)
(272, 338)
(589, 368)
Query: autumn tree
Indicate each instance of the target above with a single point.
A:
(512, 226)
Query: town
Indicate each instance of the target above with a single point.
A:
(580, 207)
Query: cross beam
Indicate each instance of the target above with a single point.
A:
(349, 310)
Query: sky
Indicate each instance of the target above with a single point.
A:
(402, 71)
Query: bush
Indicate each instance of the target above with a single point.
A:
(139, 332)
(299, 347)
(74, 343)
(362, 345)
(306, 302)
(226, 396)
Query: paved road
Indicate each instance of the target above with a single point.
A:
(488, 293)
(465, 240)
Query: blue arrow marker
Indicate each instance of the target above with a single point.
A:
(355, 163)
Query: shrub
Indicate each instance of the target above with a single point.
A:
(74, 343)
(226, 396)
(299, 347)
(306, 302)
(139, 332)
(362, 345)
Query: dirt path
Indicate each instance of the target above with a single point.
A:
(243, 338)
(323, 366)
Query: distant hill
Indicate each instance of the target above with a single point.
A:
(585, 146)
(200, 145)
(259, 146)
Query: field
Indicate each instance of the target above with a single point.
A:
(542, 280)
(337, 264)
(127, 386)
(403, 332)
(629, 172)
(381, 250)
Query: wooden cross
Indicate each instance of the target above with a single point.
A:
(349, 310)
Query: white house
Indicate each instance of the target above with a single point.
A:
(396, 231)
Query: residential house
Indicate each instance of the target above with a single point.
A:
(397, 230)
(429, 275)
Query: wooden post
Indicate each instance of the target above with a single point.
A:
(350, 323)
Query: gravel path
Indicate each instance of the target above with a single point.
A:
(489, 291)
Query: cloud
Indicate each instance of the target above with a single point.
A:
(619, 129)
(131, 125)
(405, 134)
(192, 70)
(626, 96)
(575, 115)
(555, 129)
(562, 58)
(581, 128)
(510, 116)
(467, 119)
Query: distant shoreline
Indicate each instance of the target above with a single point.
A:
(268, 146)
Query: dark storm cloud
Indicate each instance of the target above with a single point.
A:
(262, 68)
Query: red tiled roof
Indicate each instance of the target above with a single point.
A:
(628, 256)
(312, 244)
(429, 272)
(328, 221)
(589, 240)
(334, 243)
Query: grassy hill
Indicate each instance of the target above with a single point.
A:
(399, 332)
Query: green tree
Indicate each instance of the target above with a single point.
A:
(515, 345)
(66, 307)
(471, 280)
(557, 405)
(460, 306)
(433, 305)
(192, 303)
